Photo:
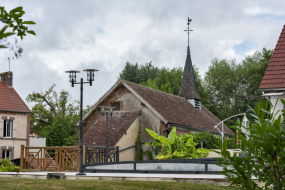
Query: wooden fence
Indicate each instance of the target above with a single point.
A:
(50, 158)
(63, 158)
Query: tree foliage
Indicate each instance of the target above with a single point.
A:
(54, 116)
(167, 80)
(226, 78)
(139, 73)
(13, 20)
(263, 152)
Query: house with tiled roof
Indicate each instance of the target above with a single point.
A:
(141, 106)
(14, 119)
(273, 81)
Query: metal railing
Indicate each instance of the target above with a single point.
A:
(97, 154)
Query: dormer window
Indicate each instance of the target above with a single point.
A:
(7, 132)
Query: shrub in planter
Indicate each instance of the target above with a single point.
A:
(176, 147)
(8, 166)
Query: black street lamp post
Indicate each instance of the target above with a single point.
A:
(105, 112)
(72, 79)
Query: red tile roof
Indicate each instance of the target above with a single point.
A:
(117, 126)
(274, 76)
(177, 110)
(10, 100)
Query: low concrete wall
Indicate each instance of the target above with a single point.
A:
(216, 155)
(189, 178)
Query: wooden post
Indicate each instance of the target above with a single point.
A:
(22, 158)
(84, 153)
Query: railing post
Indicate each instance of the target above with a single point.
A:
(212, 140)
(84, 154)
(22, 158)
(117, 154)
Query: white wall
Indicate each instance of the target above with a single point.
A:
(279, 105)
(37, 141)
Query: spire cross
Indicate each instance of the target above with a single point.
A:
(188, 30)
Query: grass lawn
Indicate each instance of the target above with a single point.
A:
(24, 183)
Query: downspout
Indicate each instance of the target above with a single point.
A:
(168, 126)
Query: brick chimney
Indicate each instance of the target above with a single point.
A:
(7, 77)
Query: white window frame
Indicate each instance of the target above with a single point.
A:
(5, 152)
(5, 133)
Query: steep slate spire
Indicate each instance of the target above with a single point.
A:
(188, 88)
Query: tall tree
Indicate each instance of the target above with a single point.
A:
(221, 86)
(54, 116)
(253, 69)
(227, 78)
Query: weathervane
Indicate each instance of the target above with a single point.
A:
(188, 30)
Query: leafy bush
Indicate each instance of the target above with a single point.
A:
(8, 166)
(175, 147)
(207, 139)
(263, 152)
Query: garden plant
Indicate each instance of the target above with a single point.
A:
(7, 166)
(176, 147)
(263, 156)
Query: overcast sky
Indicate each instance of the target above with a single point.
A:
(105, 34)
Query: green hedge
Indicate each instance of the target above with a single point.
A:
(206, 137)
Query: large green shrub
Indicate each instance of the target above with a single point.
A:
(175, 147)
(8, 166)
(263, 152)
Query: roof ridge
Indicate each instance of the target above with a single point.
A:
(152, 89)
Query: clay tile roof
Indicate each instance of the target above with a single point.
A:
(10, 100)
(177, 110)
(117, 126)
(188, 88)
(274, 76)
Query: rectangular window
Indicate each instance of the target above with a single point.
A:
(116, 105)
(6, 154)
(7, 128)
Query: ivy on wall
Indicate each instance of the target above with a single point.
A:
(139, 150)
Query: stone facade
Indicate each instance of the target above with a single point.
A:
(19, 133)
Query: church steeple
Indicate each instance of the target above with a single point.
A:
(188, 88)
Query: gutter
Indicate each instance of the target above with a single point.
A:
(188, 127)
(271, 89)
(15, 111)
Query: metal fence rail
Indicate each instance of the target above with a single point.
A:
(97, 155)
(178, 166)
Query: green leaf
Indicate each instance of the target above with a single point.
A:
(31, 32)
(153, 134)
(28, 22)
(153, 143)
(17, 9)
(2, 46)
(6, 34)
(172, 135)
(203, 150)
